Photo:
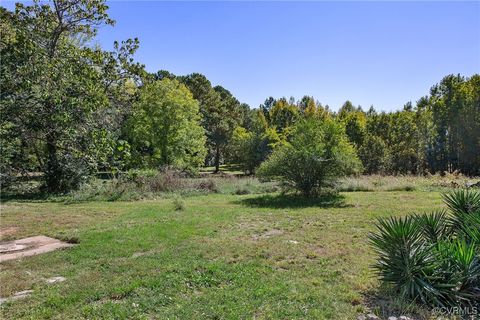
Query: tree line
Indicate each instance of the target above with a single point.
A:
(70, 109)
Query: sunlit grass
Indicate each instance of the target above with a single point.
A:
(222, 256)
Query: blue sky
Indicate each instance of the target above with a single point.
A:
(372, 53)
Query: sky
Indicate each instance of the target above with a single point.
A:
(372, 53)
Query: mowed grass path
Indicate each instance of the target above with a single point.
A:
(223, 257)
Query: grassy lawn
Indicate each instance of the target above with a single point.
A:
(223, 257)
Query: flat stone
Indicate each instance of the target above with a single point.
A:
(30, 246)
(404, 318)
(11, 247)
(16, 296)
(372, 316)
(392, 318)
(56, 279)
(293, 241)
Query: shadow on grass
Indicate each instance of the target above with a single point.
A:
(295, 201)
(27, 197)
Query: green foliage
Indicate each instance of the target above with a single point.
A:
(435, 226)
(433, 259)
(354, 122)
(462, 202)
(165, 127)
(316, 156)
(251, 148)
(404, 258)
(9, 144)
(220, 114)
(70, 109)
(56, 91)
(283, 115)
(374, 154)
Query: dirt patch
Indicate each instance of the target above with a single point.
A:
(8, 232)
(29, 247)
(268, 234)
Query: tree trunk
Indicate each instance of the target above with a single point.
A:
(217, 158)
(53, 172)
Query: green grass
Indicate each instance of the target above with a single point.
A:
(223, 256)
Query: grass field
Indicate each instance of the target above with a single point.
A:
(224, 256)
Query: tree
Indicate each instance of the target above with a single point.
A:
(55, 89)
(220, 113)
(162, 74)
(404, 143)
(355, 123)
(283, 115)
(316, 156)
(267, 106)
(346, 108)
(455, 107)
(225, 118)
(165, 126)
(249, 148)
(374, 154)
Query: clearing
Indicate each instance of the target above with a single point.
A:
(222, 257)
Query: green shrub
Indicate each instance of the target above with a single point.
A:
(178, 203)
(434, 258)
(317, 155)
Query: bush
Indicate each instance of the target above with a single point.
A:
(155, 181)
(434, 258)
(208, 185)
(178, 203)
(316, 157)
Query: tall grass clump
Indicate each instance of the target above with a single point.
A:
(433, 259)
(178, 203)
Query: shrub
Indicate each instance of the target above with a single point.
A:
(208, 185)
(434, 258)
(155, 181)
(178, 203)
(317, 155)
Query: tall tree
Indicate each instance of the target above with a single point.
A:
(220, 113)
(454, 104)
(54, 87)
(283, 116)
(165, 126)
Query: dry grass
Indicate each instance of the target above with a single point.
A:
(405, 183)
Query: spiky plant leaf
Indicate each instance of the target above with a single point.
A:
(462, 202)
(460, 272)
(435, 226)
(405, 258)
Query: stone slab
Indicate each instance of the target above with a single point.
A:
(31, 246)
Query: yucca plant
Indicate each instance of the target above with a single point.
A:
(460, 272)
(405, 258)
(462, 202)
(435, 225)
(470, 229)
(433, 258)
